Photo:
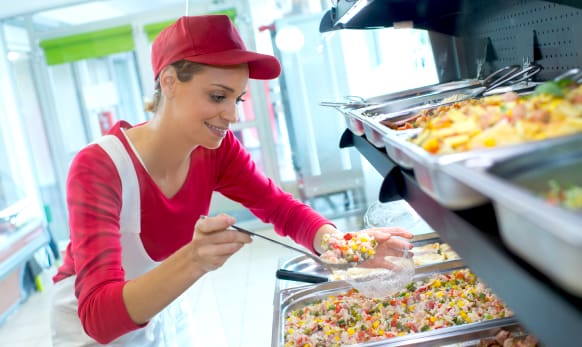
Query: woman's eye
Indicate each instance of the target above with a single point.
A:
(218, 98)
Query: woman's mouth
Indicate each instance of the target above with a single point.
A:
(218, 131)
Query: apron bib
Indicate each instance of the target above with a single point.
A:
(172, 327)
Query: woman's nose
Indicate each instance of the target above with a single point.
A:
(232, 114)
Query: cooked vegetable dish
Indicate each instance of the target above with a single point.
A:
(342, 248)
(568, 197)
(439, 301)
(554, 109)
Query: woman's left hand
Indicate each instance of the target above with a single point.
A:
(392, 241)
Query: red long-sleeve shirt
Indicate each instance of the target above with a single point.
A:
(167, 224)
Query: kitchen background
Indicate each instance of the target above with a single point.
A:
(70, 69)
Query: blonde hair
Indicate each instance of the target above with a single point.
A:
(185, 70)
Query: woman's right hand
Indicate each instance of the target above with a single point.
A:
(213, 243)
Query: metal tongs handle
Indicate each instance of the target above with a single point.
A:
(500, 75)
(574, 74)
(506, 75)
(514, 75)
(283, 274)
(315, 258)
(248, 232)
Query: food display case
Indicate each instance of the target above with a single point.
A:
(402, 319)
(22, 234)
(22, 228)
(489, 211)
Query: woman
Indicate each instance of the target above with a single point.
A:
(135, 197)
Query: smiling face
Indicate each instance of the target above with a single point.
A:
(203, 107)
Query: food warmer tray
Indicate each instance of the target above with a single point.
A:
(447, 189)
(287, 299)
(426, 90)
(547, 236)
(294, 267)
(355, 121)
(355, 102)
(370, 117)
(474, 234)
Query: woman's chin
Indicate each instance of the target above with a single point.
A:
(212, 145)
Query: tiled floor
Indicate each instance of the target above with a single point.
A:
(233, 306)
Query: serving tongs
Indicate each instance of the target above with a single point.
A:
(574, 74)
(505, 76)
(329, 266)
(508, 75)
(352, 102)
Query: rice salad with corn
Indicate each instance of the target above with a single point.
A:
(440, 301)
(347, 248)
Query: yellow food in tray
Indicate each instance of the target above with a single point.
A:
(448, 252)
(428, 258)
(432, 253)
(554, 109)
(432, 247)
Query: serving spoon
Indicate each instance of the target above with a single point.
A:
(329, 266)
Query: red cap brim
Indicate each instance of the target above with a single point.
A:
(261, 66)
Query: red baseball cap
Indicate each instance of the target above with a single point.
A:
(211, 40)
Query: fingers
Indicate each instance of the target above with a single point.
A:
(217, 229)
(213, 242)
(221, 250)
(387, 232)
(401, 232)
(397, 243)
(378, 263)
(212, 224)
(390, 262)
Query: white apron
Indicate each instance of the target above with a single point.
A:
(172, 327)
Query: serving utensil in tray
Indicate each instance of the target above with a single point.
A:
(421, 95)
(387, 118)
(547, 236)
(355, 102)
(306, 253)
(287, 300)
(359, 112)
(426, 90)
(303, 269)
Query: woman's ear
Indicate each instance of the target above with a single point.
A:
(168, 80)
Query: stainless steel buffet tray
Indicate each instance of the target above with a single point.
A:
(425, 260)
(354, 102)
(448, 190)
(292, 298)
(371, 117)
(355, 121)
(306, 265)
(361, 116)
(414, 102)
(547, 236)
(426, 90)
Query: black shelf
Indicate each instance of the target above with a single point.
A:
(450, 17)
(493, 33)
(434, 15)
(546, 310)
